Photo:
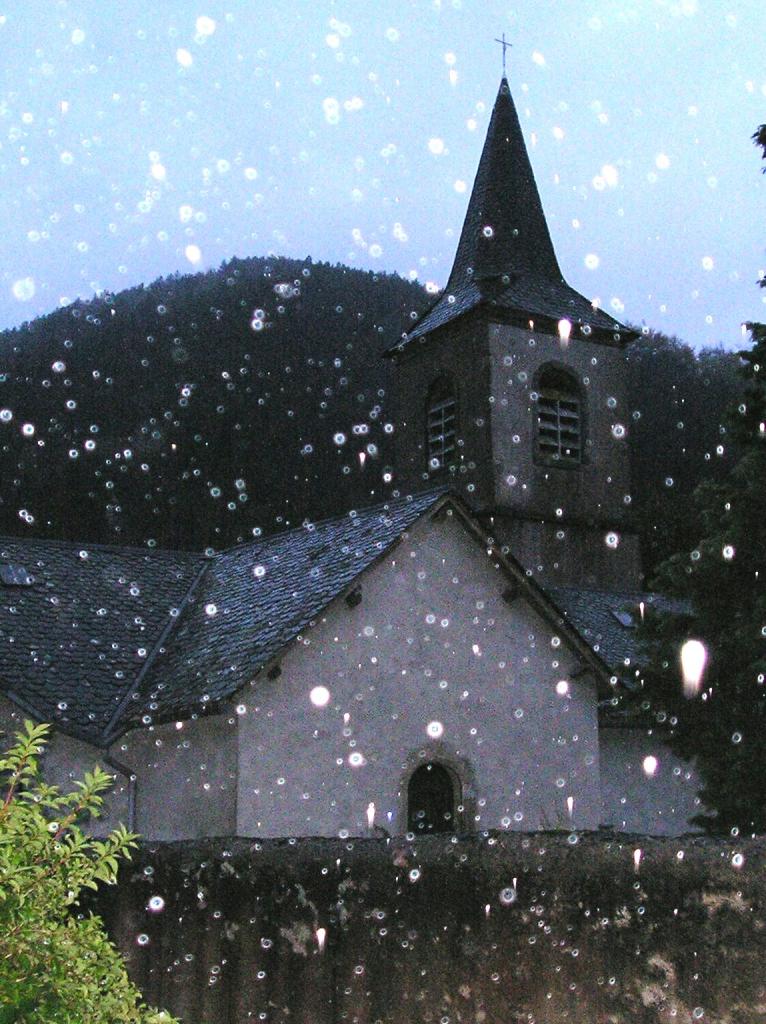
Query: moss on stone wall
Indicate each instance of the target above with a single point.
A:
(536, 928)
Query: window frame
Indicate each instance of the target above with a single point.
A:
(442, 398)
(558, 384)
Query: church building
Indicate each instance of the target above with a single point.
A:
(462, 657)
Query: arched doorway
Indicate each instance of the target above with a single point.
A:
(431, 800)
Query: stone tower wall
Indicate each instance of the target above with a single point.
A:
(569, 524)
(459, 352)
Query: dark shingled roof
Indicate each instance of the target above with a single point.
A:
(75, 640)
(257, 597)
(504, 231)
(102, 637)
(608, 620)
(505, 258)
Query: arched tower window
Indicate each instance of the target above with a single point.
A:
(441, 425)
(431, 800)
(559, 418)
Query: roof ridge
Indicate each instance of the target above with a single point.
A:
(622, 594)
(206, 559)
(111, 729)
(99, 546)
(341, 517)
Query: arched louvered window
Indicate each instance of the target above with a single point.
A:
(431, 803)
(441, 425)
(559, 418)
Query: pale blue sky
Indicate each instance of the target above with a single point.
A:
(351, 131)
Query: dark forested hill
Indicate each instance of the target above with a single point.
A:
(199, 409)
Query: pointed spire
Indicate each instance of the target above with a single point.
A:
(505, 257)
(504, 230)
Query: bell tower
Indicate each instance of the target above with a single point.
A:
(511, 387)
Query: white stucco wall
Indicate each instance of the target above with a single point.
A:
(185, 777)
(431, 641)
(11, 720)
(66, 760)
(659, 804)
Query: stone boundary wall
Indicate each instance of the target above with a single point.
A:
(494, 928)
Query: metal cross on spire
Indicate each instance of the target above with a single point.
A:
(505, 46)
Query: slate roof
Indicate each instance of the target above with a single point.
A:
(596, 616)
(525, 293)
(74, 640)
(505, 231)
(257, 597)
(102, 638)
(505, 257)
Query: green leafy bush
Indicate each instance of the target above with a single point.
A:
(57, 966)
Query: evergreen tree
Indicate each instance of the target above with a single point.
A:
(723, 727)
(678, 398)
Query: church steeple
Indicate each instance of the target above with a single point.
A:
(505, 262)
(511, 387)
(505, 232)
